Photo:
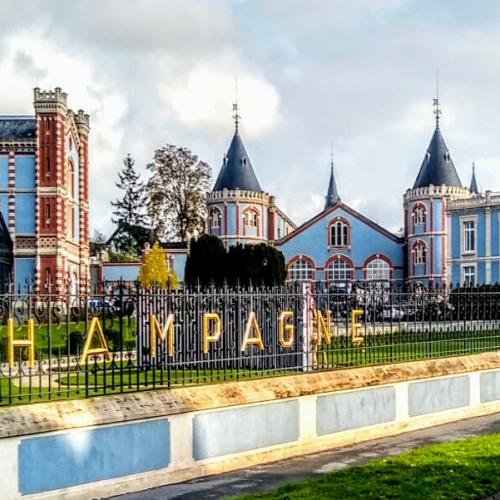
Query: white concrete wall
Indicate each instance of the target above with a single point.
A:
(198, 443)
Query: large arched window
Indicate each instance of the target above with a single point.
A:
(378, 270)
(419, 215)
(300, 270)
(339, 233)
(419, 253)
(339, 270)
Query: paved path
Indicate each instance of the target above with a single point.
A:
(268, 477)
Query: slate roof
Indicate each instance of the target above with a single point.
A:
(17, 127)
(437, 168)
(332, 195)
(237, 171)
(473, 183)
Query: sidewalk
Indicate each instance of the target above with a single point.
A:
(268, 477)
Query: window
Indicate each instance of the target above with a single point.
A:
(419, 215)
(339, 234)
(469, 236)
(469, 275)
(419, 254)
(339, 270)
(251, 218)
(47, 167)
(300, 270)
(47, 212)
(70, 179)
(215, 219)
(378, 270)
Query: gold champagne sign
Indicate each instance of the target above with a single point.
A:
(320, 329)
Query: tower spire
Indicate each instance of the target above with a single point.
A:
(236, 116)
(474, 191)
(332, 196)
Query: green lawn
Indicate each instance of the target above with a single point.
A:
(467, 469)
(405, 346)
(59, 335)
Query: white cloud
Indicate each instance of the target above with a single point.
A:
(203, 99)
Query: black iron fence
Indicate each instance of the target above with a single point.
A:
(127, 339)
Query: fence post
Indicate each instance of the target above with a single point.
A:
(307, 306)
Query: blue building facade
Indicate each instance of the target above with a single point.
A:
(474, 240)
(451, 232)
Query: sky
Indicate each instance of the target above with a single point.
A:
(358, 74)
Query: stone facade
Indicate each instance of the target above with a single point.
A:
(44, 194)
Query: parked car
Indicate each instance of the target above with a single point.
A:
(393, 313)
(100, 306)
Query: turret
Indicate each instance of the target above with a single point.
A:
(437, 182)
(237, 205)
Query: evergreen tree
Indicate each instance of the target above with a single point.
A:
(129, 210)
(209, 263)
(177, 192)
(206, 263)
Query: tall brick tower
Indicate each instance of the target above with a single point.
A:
(62, 194)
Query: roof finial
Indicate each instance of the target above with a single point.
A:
(437, 110)
(236, 116)
(331, 156)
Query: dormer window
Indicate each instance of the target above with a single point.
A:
(244, 162)
(447, 157)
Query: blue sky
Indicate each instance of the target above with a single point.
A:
(359, 73)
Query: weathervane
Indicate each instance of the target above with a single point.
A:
(236, 116)
(435, 102)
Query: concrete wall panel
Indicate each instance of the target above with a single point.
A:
(84, 456)
(490, 386)
(438, 395)
(231, 431)
(352, 410)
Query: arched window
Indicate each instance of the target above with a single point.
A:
(419, 253)
(339, 233)
(339, 270)
(378, 270)
(300, 270)
(251, 218)
(419, 215)
(215, 218)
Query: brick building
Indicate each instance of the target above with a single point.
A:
(44, 193)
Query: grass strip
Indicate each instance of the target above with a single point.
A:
(466, 469)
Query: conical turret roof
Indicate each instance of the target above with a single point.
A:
(437, 168)
(332, 196)
(237, 171)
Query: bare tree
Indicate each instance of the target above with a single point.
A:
(177, 192)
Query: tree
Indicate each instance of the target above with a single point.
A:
(154, 270)
(98, 237)
(177, 191)
(206, 262)
(209, 263)
(129, 210)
